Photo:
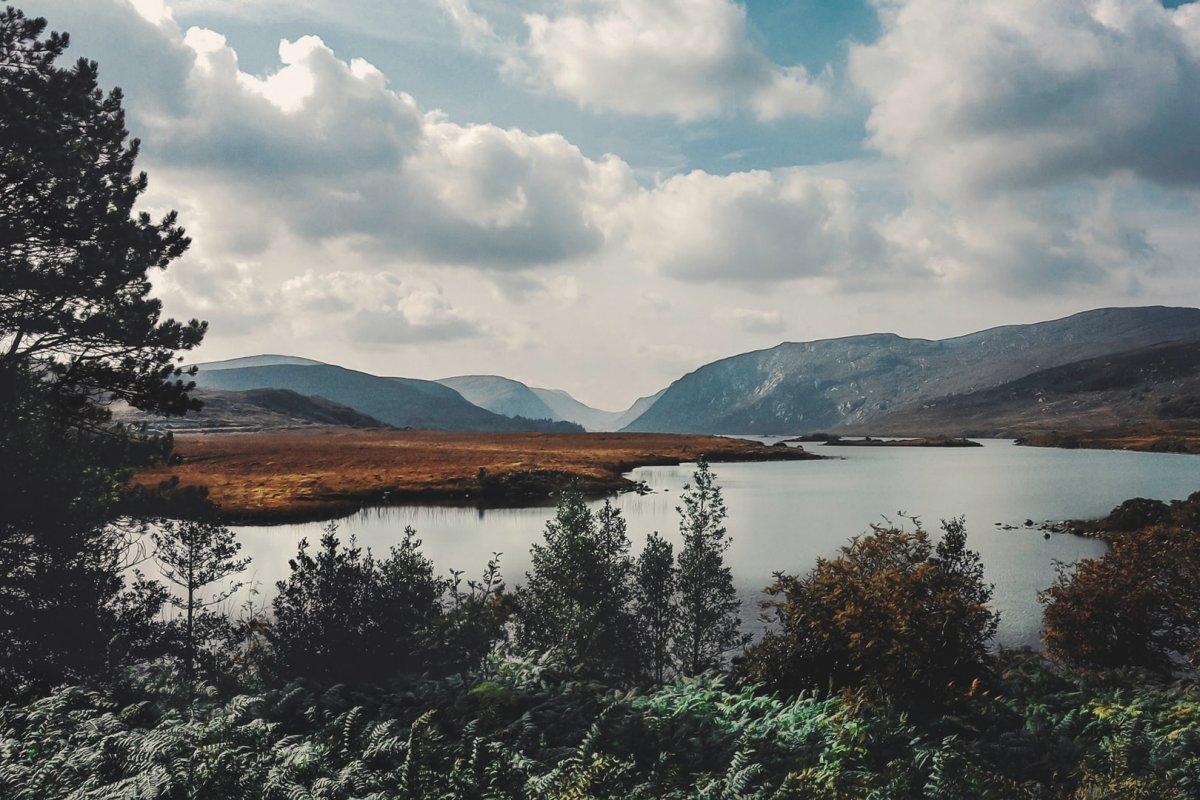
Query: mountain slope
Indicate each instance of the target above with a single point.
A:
(1160, 383)
(501, 396)
(639, 407)
(798, 387)
(264, 360)
(401, 402)
(564, 406)
(255, 409)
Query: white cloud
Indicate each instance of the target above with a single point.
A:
(983, 96)
(378, 308)
(753, 320)
(754, 227)
(688, 59)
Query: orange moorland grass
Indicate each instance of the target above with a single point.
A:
(320, 473)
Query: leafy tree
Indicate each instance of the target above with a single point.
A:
(78, 328)
(576, 602)
(193, 555)
(74, 257)
(475, 617)
(344, 616)
(893, 613)
(656, 606)
(1138, 605)
(64, 613)
(708, 604)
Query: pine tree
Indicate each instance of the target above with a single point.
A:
(75, 289)
(708, 603)
(656, 606)
(576, 602)
(78, 329)
(194, 555)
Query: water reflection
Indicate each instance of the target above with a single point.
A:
(784, 515)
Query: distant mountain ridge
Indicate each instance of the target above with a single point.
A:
(799, 387)
(513, 398)
(501, 396)
(400, 402)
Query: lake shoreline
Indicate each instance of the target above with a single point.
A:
(314, 475)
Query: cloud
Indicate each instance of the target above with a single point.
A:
(984, 96)
(376, 308)
(753, 320)
(324, 149)
(754, 227)
(687, 59)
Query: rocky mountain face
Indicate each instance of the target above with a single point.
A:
(856, 381)
(1133, 388)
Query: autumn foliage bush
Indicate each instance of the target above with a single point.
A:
(894, 612)
(1137, 606)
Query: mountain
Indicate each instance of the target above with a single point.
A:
(400, 402)
(502, 396)
(799, 387)
(513, 398)
(255, 409)
(639, 407)
(1139, 387)
(565, 406)
(265, 360)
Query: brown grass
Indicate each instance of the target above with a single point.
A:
(312, 474)
(1153, 437)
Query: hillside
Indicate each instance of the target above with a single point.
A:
(515, 399)
(501, 396)
(264, 360)
(254, 410)
(1143, 386)
(856, 381)
(399, 402)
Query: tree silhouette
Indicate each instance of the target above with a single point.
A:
(74, 255)
(193, 555)
(708, 603)
(656, 606)
(576, 601)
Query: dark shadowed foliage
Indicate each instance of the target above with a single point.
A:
(345, 616)
(197, 556)
(709, 621)
(77, 328)
(74, 258)
(576, 601)
(656, 604)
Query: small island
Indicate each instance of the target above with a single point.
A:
(835, 440)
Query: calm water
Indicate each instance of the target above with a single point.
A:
(784, 515)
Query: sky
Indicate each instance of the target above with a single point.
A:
(602, 195)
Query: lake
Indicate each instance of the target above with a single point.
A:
(784, 515)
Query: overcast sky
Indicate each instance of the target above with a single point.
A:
(601, 195)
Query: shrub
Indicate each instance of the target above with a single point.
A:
(576, 602)
(892, 613)
(1137, 606)
(344, 616)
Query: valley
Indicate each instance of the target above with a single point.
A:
(1125, 378)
